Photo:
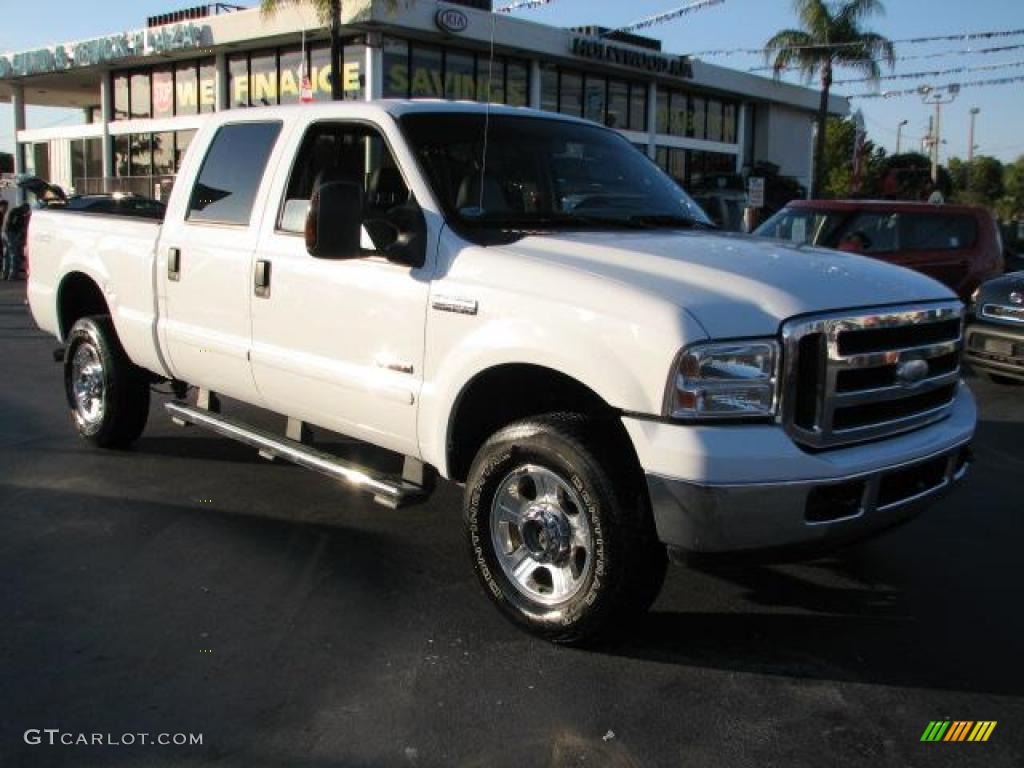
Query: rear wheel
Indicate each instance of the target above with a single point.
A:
(560, 540)
(107, 394)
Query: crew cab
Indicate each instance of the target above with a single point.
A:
(524, 304)
(958, 245)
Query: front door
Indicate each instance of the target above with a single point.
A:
(339, 343)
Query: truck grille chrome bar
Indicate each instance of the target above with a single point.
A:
(851, 377)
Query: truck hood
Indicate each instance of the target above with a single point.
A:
(734, 285)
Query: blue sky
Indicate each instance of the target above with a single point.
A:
(734, 24)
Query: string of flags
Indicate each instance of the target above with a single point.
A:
(935, 73)
(916, 91)
(919, 57)
(661, 18)
(522, 5)
(970, 36)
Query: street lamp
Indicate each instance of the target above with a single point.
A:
(899, 134)
(945, 94)
(970, 139)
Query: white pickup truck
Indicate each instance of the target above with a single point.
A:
(524, 304)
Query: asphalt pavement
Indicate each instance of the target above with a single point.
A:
(189, 587)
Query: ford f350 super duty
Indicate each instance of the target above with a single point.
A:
(524, 304)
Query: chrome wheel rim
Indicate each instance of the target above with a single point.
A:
(541, 535)
(87, 384)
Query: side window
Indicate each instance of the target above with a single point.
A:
(232, 170)
(352, 153)
(932, 232)
(874, 232)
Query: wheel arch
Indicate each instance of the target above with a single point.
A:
(78, 296)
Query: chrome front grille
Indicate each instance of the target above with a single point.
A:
(851, 377)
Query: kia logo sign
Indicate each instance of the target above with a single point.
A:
(451, 20)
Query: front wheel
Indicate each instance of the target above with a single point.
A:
(560, 537)
(107, 394)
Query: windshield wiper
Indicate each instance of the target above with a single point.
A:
(557, 222)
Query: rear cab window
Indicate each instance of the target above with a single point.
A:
(225, 190)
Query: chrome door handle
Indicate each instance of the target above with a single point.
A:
(262, 279)
(174, 264)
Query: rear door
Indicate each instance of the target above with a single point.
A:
(206, 260)
(940, 245)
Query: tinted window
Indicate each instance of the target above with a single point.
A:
(937, 232)
(231, 173)
(873, 232)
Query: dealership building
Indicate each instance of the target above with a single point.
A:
(144, 92)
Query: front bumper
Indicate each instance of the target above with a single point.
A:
(749, 488)
(996, 349)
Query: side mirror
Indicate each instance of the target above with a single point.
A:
(334, 222)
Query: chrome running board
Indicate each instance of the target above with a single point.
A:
(389, 491)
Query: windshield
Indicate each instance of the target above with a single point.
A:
(543, 174)
(801, 226)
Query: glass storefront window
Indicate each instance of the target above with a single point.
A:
(141, 154)
(638, 106)
(121, 110)
(186, 89)
(594, 98)
(163, 153)
(77, 161)
(677, 165)
(263, 79)
(208, 86)
(238, 80)
(425, 80)
(292, 69)
(459, 76)
(163, 92)
(570, 101)
(677, 114)
(181, 141)
(140, 95)
(122, 155)
(549, 88)
(517, 83)
(94, 158)
(492, 79)
(618, 104)
(396, 68)
(353, 82)
(662, 111)
(698, 118)
(714, 120)
(729, 127)
(661, 158)
(320, 71)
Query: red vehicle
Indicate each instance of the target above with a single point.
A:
(958, 245)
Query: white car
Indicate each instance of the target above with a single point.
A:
(552, 324)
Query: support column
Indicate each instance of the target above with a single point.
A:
(107, 117)
(535, 84)
(741, 137)
(222, 99)
(652, 120)
(18, 102)
(373, 68)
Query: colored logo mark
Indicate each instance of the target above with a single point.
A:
(958, 730)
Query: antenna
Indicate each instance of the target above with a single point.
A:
(487, 116)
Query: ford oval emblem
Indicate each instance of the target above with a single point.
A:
(912, 372)
(1017, 298)
(451, 20)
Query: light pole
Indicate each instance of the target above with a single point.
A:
(899, 134)
(930, 95)
(970, 138)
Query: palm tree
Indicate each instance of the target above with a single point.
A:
(329, 12)
(831, 36)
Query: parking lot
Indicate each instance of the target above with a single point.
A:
(188, 586)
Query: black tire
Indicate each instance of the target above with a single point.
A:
(1006, 380)
(107, 394)
(621, 574)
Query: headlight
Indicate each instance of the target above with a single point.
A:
(724, 381)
